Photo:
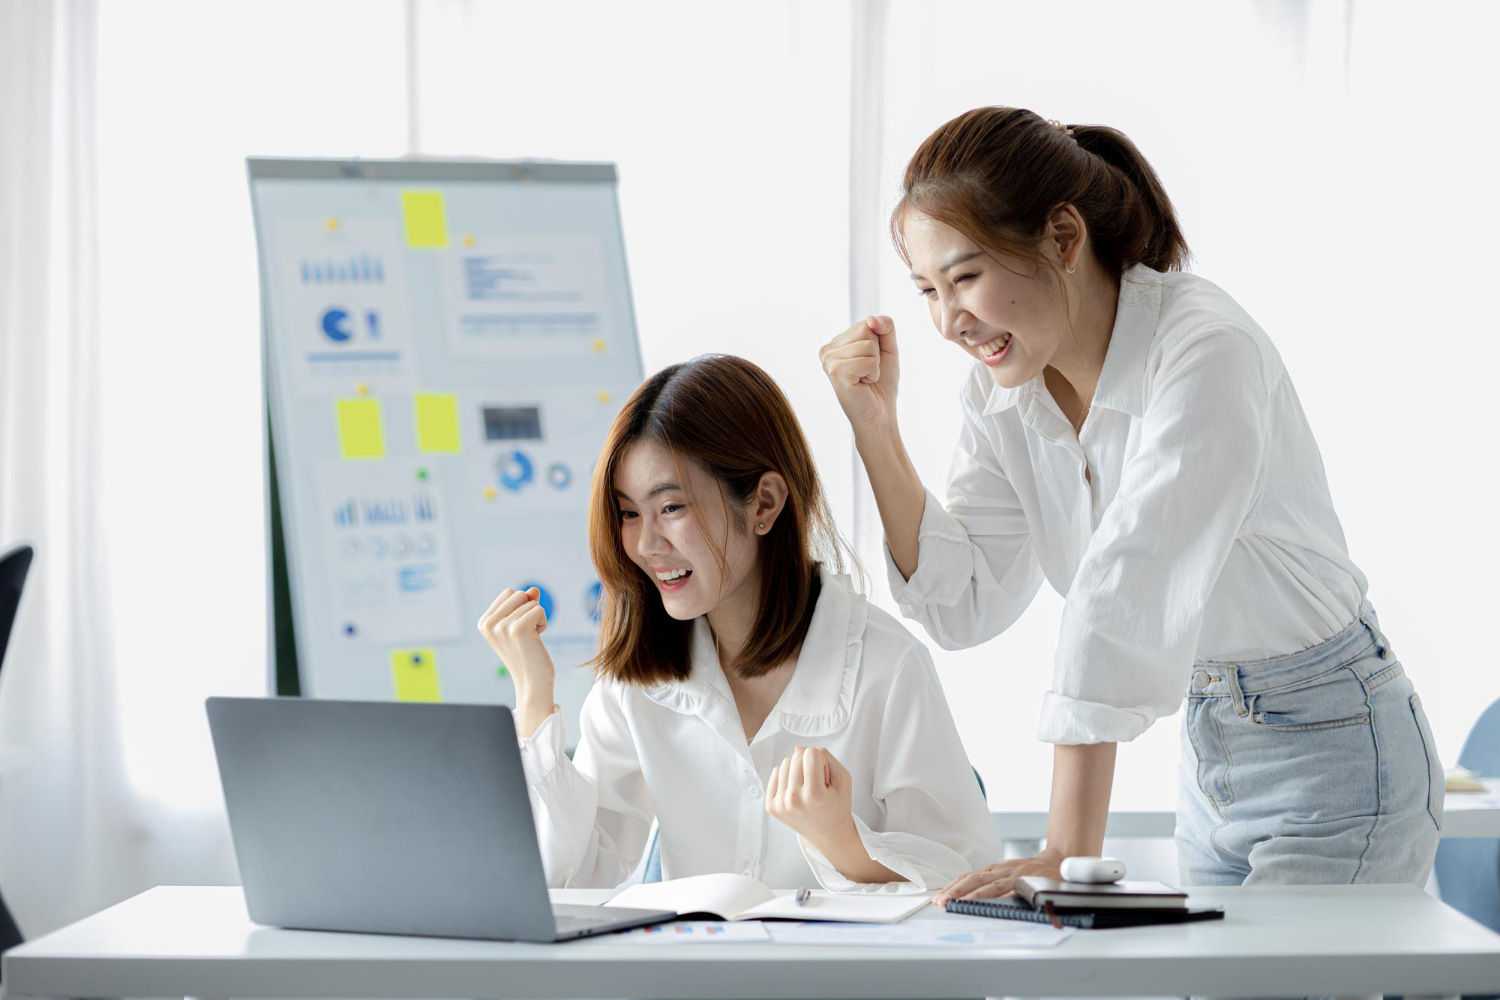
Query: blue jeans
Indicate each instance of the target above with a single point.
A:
(1317, 767)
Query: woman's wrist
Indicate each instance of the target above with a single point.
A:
(846, 852)
(532, 709)
(881, 445)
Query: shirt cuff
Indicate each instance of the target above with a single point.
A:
(1071, 721)
(541, 751)
(933, 572)
(834, 880)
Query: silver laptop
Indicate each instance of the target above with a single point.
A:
(389, 818)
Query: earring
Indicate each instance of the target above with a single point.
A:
(760, 527)
(1071, 268)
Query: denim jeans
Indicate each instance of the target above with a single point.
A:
(1316, 767)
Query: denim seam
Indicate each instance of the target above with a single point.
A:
(1379, 786)
(1396, 672)
(1303, 682)
(1213, 835)
(1413, 704)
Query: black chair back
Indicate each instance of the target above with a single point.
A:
(13, 567)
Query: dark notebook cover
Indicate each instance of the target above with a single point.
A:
(1017, 909)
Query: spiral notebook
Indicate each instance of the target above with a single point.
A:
(1012, 908)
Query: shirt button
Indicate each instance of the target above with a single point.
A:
(754, 791)
(1200, 680)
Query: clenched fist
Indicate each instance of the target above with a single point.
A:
(862, 366)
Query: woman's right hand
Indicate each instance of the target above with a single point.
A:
(513, 627)
(861, 364)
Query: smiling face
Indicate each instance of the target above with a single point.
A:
(1007, 312)
(666, 525)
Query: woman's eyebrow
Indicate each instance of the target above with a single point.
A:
(659, 488)
(951, 264)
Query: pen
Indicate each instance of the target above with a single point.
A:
(803, 895)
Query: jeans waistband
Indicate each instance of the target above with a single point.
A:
(1360, 639)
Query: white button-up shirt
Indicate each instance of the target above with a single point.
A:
(864, 688)
(1190, 519)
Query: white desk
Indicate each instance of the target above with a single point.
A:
(1339, 940)
(1465, 814)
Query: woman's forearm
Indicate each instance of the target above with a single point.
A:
(1082, 778)
(899, 495)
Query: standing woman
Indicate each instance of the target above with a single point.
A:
(1131, 435)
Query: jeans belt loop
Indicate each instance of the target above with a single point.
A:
(1232, 679)
(1385, 644)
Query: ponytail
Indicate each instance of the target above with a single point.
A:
(1144, 230)
(997, 174)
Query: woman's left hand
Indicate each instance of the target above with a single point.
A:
(810, 792)
(997, 880)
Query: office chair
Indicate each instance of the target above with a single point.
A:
(1468, 871)
(13, 567)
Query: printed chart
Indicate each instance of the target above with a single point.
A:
(447, 344)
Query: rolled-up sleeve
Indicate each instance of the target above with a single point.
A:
(936, 825)
(1131, 621)
(976, 569)
(592, 816)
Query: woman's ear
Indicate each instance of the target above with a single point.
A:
(768, 502)
(1066, 228)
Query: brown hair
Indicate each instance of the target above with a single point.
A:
(997, 174)
(732, 419)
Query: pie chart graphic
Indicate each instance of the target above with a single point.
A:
(334, 327)
(515, 471)
(545, 600)
(593, 602)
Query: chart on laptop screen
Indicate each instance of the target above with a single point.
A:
(446, 344)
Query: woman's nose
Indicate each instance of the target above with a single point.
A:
(955, 322)
(650, 542)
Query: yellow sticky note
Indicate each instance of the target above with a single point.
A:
(360, 433)
(437, 421)
(415, 673)
(426, 220)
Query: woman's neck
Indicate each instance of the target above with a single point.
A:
(1073, 374)
(734, 617)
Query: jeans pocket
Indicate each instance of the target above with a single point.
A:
(1334, 701)
(1435, 781)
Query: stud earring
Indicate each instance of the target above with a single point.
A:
(760, 527)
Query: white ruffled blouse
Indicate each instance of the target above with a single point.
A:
(863, 688)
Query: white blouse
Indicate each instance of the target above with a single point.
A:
(864, 688)
(1204, 529)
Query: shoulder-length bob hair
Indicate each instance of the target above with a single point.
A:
(731, 419)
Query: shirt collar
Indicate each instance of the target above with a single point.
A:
(819, 697)
(1122, 381)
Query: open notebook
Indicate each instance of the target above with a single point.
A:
(736, 897)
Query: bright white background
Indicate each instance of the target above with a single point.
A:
(1332, 164)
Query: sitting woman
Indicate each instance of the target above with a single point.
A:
(771, 721)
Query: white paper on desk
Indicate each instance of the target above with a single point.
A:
(737, 897)
(696, 932)
(919, 934)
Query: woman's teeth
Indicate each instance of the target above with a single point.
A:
(672, 576)
(994, 347)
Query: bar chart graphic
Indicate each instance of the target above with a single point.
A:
(356, 269)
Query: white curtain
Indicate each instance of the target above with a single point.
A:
(64, 823)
